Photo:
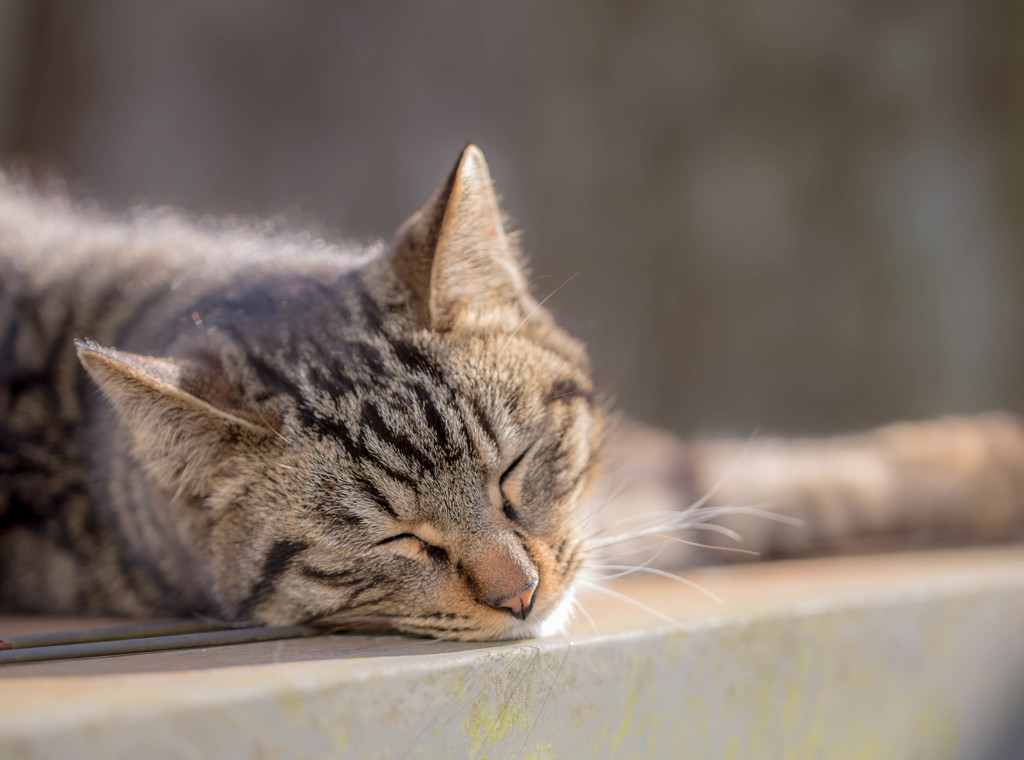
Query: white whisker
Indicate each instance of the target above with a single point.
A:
(735, 549)
(627, 482)
(578, 605)
(532, 312)
(675, 520)
(657, 529)
(709, 513)
(662, 573)
(634, 602)
(664, 513)
(271, 428)
(727, 474)
(643, 564)
(695, 519)
(626, 551)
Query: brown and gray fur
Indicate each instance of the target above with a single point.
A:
(219, 419)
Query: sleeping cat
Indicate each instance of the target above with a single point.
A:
(399, 438)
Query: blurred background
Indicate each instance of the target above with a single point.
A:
(792, 216)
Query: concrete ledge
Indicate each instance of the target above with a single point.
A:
(887, 656)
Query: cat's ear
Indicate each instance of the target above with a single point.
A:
(182, 440)
(455, 254)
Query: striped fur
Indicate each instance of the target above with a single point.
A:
(398, 438)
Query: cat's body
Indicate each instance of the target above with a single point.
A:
(325, 434)
(69, 519)
(396, 438)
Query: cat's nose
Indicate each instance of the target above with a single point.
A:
(521, 603)
(501, 574)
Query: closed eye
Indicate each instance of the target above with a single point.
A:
(506, 502)
(414, 547)
(400, 537)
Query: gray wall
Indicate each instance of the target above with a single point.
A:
(792, 216)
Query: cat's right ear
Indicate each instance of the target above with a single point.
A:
(456, 256)
(182, 440)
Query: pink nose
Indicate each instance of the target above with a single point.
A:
(521, 603)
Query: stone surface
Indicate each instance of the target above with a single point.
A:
(888, 656)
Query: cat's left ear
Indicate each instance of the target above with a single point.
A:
(456, 255)
(182, 439)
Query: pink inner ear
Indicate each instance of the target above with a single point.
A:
(473, 268)
(145, 390)
(454, 254)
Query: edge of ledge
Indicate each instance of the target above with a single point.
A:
(926, 664)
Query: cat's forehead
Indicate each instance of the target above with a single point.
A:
(422, 416)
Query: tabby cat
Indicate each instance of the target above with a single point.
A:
(398, 438)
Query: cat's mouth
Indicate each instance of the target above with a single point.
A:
(487, 626)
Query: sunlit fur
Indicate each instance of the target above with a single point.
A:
(277, 411)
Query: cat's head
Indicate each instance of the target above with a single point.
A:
(407, 446)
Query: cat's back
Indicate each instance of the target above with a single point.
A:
(55, 285)
(69, 270)
(135, 280)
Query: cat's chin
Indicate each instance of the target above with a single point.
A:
(507, 632)
(558, 620)
(553, 624)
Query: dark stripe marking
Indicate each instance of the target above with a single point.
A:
(566, 390)
(371, 418)
(483, 422)
(371, 311)
(377, 497)
(275, 564)
(413, 359)
(434, 420)
(331, 577)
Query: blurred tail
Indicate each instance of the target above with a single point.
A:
(950, 481)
